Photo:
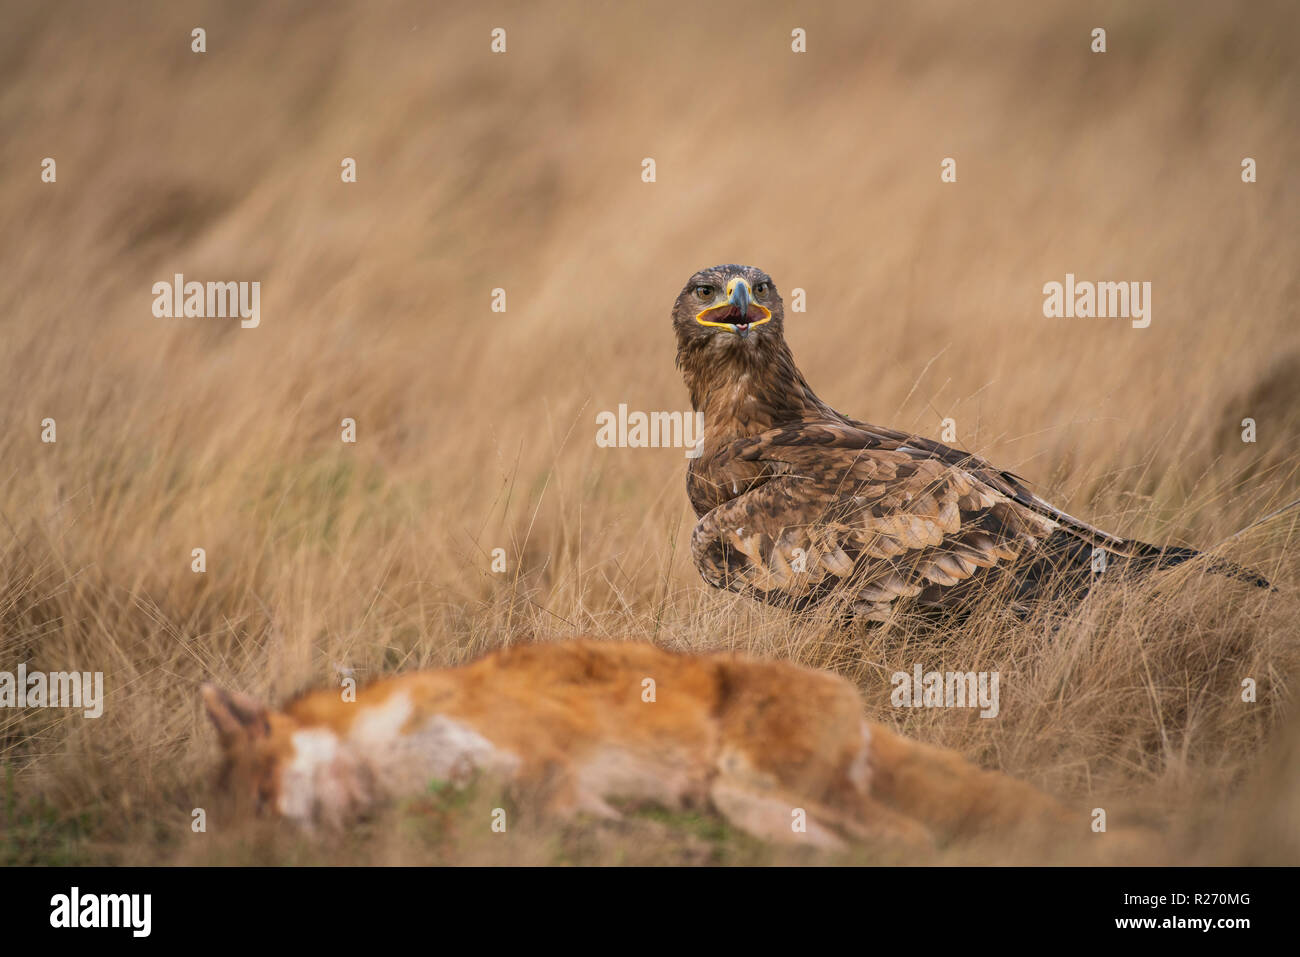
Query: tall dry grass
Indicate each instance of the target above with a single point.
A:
(476, 429)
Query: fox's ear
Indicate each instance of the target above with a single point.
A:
(235, 715)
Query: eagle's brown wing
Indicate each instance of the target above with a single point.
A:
(1008, 483)
(823, 504)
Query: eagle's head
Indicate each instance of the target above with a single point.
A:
(728, 307)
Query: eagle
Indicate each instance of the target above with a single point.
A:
(798, 504)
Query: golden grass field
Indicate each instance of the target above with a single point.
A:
(476, 430)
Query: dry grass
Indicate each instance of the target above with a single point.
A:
(477, 429)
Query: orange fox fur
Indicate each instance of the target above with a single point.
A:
(569, 726)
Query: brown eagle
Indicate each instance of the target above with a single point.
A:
(798, 503)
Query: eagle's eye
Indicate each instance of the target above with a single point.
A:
(705, 292)
(762, 288)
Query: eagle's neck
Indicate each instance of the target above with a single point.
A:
(746, 388)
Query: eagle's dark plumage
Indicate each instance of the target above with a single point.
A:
(797, 502)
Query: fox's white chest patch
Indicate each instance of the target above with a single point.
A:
(382, 755)
(307, 777)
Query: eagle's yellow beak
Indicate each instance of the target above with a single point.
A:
(734, 312)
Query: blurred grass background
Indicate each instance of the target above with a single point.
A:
(476, 429)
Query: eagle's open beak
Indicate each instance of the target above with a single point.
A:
(739, 312)
(740, 296)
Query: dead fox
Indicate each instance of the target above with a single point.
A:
(781, 751)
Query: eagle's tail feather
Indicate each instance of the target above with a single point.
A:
(1153, 558)
(1068, 566)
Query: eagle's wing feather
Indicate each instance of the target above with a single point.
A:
(831, 502)
(1008, 483)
